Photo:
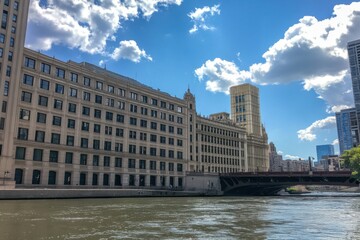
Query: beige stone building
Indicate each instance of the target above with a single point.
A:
(71, 125)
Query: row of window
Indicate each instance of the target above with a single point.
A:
(219, 150)
(74, 77)
(220, 160)
(218, 131)
(58, 103)
(95, 179)
(106, 161)
(221, 141)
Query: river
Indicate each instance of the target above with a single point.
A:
(300, 217)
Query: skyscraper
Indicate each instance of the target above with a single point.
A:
(348, 131)
(354, 60)
(324, 150)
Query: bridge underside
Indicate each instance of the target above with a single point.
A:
(271, 185)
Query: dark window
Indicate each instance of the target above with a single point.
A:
(44, 84)
(52, 178)
(96, 144)
(97, 113)
(60, 73)
(97, 128)
(109, 116)
(69, 157)
(83, 159)
(45, 68)
(56, 121)
(43, 101)
(55, 138)
(84, 142)
(20, 153)
(59, 88)
(106, 161)
(26, 97)
(53, 156)
(71, 123)
(23, 133)
(85, 126)
(58, 104)
(118, 162)
(28, 80)
(41, 117)
(98, 99)
(106, 179)
(86, 111)
(72, 107)
(95, 160)
(36, 177)
(67, 178)
(30, 63)
(38, 154)
(40, 136)
(131, 163)
(120, 118)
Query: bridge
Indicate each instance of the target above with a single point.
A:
(270, 183)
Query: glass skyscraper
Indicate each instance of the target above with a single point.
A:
(324, 150)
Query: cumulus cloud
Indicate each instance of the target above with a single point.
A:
(314, 52)
(82, 24)
(130, 50)
(220, 75)
(308, 134)
(291, 157)
(199, 16)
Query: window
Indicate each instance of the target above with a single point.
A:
(119, 132)
(56, 121)
(163, 116)
(60, 73)
(69, 157)
(72, 107)
(121, 92)
(12, 42)
(2, 38)
(144, 99)
(106, 179)
(110, 89)
(163, 127)
(8, 71)
(83, 159)
(58, 104)
(107, 146)
(133, 108)
(171, 118)
(162, 140)
(30, 63)
(154, 113)
(106, 161)
(163, 104)
(16, 5)
(10, 56)
(26, 97)
(36, 177)
(179, 131)
(85, 126)
(20, 153)
(171, 129)
(133, 95)
(171, 167)
(162, 166)
(70, 140)
(67, 178)
(74, 77)
(38, 154)
(97, 113)
(118, 147)
(153, 151)
(118, 162)
(71, 123)
(23, 133)
(4, 19)
(153, 137)
(179, 120)
(53, 156)
(2, 123)
(131, 163)
(121, 105)
(108, 130)
(96, 144)
(14, 18)
(162, 153)
(99, 85)
(179, 155)
(142, 150)
(59, 88)
(45, 68)
(143, 123)
(143, 136)
(43, 101)
(144, 111)
(96, 160)
(179, 109)
(96, 128)
(44, 84)
(120, 118)
(98, 99)
(179, 142)
(86, 96)
(171, 154)
(52, 178)
(154, 102)
(24, 114)
(132, 148)
(133, 121)
(87, 81)
(6, 89)
(55, 138)
(153, 125)
(41, 117)
(152, 165)
(132, 134)
(84, 143)
(109, 116)
(1, 52)
(86, 111)
(179, 167)
(73, 92)
(39, 136)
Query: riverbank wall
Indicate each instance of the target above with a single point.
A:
(20, 194)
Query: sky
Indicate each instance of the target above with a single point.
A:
(293, 51)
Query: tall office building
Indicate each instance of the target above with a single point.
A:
(324, 150)
(354, 61)
(245, 112)
(347, 128)
(245, 107)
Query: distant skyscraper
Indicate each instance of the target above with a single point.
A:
(347, 127)
(354, 60)
(324, 150)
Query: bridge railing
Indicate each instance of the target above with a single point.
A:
(266, 174)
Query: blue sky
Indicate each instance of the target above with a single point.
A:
(294, 51)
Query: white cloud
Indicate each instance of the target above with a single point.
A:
(313, 52)
(291, 157)
(335, 142)
(308, 134)
(199, 16)
(337, 108)
(86, 25)
(220, 75)
(130, 50)
(280, 152)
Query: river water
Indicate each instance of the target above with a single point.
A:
(300, 217)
